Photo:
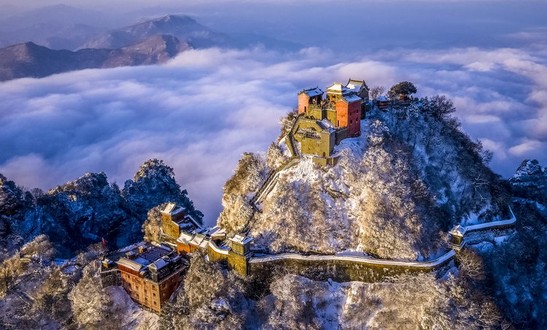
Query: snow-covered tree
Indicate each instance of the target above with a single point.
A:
(211, 297)
(248, 175)
(152, 224)
(88, 299)
(403, 88)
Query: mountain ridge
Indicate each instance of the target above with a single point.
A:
(32, 60)
(89, 208)
(182, 27)
(153, 41)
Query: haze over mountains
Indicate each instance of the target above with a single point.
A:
(397, 190)
(56, 27)
(181, 27)
(496, 79)
(150, 42)
(70, 45)
(32, 60)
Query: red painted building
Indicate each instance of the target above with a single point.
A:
(149, 273)
(348, 114)
(307, 97)
(348, 108)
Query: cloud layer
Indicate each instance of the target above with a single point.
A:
(202, 110)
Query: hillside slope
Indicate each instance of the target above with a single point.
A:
(395, 192)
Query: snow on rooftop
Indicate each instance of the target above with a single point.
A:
(172, 209)
(199, 240)
(241, 239)
(458, 231)
(159, 264)
(217, 232)
(131, 264)
(352, 98)
(326, 123)
(169, 208)
(336, 87)
(355, 84)
(194, 221)
(313, 91)
(382, 98)
(177, 210)
(185, 237)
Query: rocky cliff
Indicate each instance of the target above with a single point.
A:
(90, 209)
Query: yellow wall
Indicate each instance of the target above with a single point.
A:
(313, 140)
(238, 263)
(169, 227)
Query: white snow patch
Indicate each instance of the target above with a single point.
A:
(133, 317)
(500, 239)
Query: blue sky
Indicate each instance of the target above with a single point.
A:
(489, 57)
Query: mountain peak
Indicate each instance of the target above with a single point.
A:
(382, 194)
(528, 168)
(86, 184)
(175, 19)
(154, 168)
(185, 28)
(530, 181)
(29, 45)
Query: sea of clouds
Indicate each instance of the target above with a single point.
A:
(203, 109)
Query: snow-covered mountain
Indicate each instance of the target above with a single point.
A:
(183, 28)
(410, 174)
(496, 283)
(90, 209)
(530, 181)
(394, 193)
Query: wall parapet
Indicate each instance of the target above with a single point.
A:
(340, 267)
(215, 253)
(359, 268)
(427, 265)
(493, 224)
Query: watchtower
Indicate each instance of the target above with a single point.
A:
(456, 237)
(171, 217)
(239, 254)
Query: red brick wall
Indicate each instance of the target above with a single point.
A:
(133, 284)
(341, 114)
(147, 292)
(354, 114)
(349, 115)
(303, 102)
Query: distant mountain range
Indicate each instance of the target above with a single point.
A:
(149, 42)
(182, 27)
(32, 60)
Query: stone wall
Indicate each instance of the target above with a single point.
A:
(215, 253)
(313, 139)
(337, 270)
